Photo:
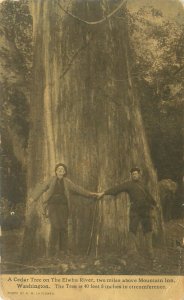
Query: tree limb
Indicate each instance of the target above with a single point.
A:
(95, 22)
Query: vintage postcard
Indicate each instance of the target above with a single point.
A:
(92, 184)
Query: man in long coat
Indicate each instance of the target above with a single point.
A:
(57, 201)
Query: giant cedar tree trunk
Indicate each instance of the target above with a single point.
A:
(85, 114)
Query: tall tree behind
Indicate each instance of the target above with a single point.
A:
(83, 115)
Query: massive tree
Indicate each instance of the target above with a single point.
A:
(84, 112)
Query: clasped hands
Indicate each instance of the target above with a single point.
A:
(97, 195)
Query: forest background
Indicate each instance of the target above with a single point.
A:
(157, 45)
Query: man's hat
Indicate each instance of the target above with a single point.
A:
(61, 165)
(135, 169)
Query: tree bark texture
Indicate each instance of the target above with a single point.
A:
(85, 114)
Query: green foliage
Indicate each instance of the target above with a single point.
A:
(15, 112)
(158, 70)
(158, 49)
(16, 28)
(16, 61)
(16, 72)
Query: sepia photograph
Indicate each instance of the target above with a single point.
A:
(91, 144)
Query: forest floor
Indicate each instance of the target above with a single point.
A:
(168, 260)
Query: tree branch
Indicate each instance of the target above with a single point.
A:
(73, 58)
(180, 69)
(84, 46)
(95, 22)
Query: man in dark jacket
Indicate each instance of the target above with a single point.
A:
(57, 201)
(140, 210)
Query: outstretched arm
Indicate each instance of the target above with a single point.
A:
(74, 188)
(124, 187)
